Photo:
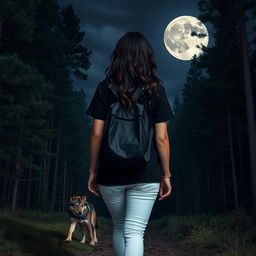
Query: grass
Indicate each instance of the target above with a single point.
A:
(40, 233)
(204, 237)
(9, 247)
(175, 227)
(232, 234)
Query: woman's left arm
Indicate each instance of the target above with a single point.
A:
(95, 143)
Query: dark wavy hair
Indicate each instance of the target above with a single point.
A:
(133, 63)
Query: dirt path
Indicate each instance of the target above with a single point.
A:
(155, 245)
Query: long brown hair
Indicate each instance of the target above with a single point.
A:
(133, 63)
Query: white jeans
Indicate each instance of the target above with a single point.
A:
(130, 207)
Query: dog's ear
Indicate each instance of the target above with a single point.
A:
(83, 197)
(71, 198)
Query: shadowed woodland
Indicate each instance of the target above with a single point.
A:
(44, 131)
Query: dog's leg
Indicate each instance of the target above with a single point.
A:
(82, 227)
(94, 234)
(70, 232)
(93, 226)
(89, 225)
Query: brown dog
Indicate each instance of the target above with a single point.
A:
(83, 213)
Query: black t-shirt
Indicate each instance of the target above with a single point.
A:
(160, 112)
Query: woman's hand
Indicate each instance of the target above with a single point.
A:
(165, 187)
(92, 186)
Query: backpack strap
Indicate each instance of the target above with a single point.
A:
(136, 93)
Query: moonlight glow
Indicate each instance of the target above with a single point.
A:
(185, 36)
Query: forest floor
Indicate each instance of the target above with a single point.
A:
(155, 244)
(41, 238)
(38, 234)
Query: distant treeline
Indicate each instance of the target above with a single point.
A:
(43, 125)
(213, 150)
(44, 143)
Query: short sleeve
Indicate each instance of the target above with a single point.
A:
(97, 108)
(162, 111)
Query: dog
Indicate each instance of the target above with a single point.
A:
(83, 213)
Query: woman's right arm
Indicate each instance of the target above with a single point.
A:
(163, 147)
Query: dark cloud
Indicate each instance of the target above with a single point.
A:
(104, 22)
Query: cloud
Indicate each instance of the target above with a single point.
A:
(102, 38)
(104, 22)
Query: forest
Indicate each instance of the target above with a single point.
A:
(45, 132)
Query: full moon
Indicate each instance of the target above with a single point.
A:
(185, 36)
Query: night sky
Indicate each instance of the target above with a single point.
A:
(104, 22)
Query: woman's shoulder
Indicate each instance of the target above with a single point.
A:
(160, 90)
(159, 95)
(104, 84)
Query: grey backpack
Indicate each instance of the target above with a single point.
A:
(127, 134)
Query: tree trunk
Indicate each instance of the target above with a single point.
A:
(44, 188)
(71, 185)
(241, 165)
(40, 191)
(197, 191)
(46, 166)
(35, 195)
(4, 191)
(1, 25)
(56, 167)
(29, 187)
(9, 192)
(6, 182)
(249, 103)
(64, 186)
(49, 158)
(224, 200)
(232, 159)
(208, 187)
(16, 180)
